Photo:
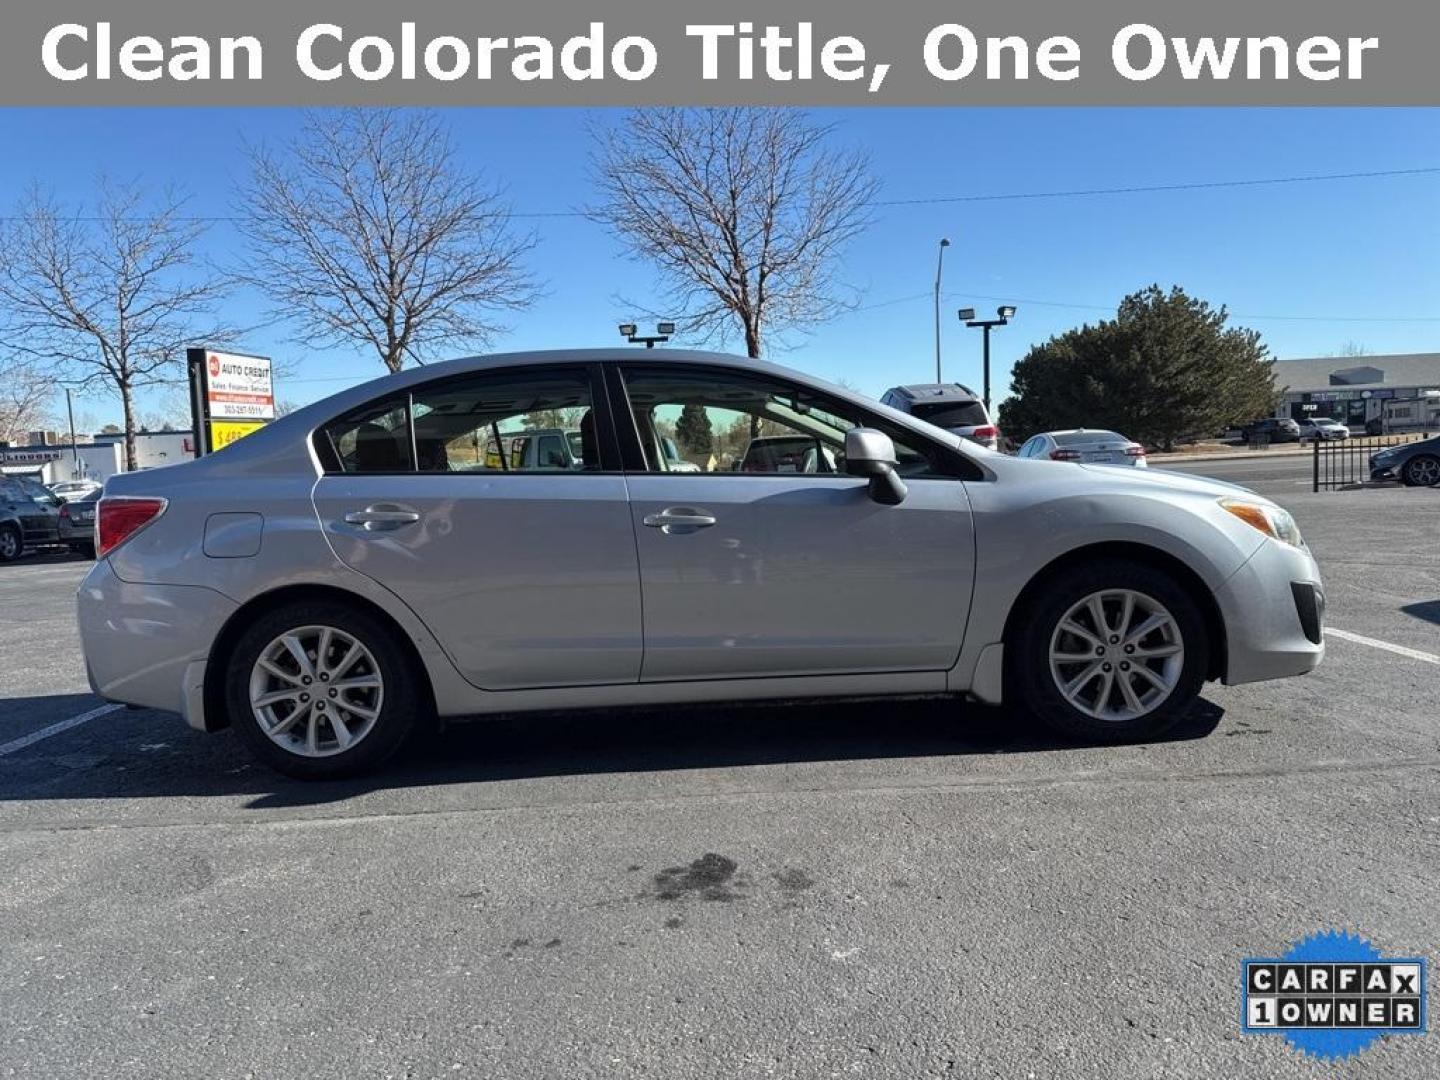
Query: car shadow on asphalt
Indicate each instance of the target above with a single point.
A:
(1429, 610)
(142, 754)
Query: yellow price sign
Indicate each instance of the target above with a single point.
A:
(224, 432)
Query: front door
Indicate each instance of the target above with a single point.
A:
(522, 563)
(760, 557)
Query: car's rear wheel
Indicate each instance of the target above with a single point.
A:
(321, 690)
(1423, 470)
(11, 543)
(1111, 652)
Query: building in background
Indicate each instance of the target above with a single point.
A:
(50, 463)
(156, 448)
(1377, 393)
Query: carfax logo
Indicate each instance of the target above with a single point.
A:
(1332, 995)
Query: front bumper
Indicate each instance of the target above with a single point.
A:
(1384, 470)
(147, 644)
(1272, 628)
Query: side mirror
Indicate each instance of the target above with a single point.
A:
(870, 453)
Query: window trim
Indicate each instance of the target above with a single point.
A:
(610, 457)
(965, 469)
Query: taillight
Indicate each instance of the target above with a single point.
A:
(1134, 450)
(1064, 455)
(986, 431)
(119, 517)
(65, 512)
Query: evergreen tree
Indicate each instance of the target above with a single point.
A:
(1166, 366)
(693, 432)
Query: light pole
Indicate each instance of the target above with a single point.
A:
(1004, 314)
(939, 269)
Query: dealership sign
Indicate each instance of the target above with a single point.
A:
(238, 387)
(231, 395)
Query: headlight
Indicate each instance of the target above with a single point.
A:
(1267, 517)
(1384, 455)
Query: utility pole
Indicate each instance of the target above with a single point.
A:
(74, 450)
(939, 270)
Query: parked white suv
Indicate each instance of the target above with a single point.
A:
(951, 406)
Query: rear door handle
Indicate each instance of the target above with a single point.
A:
(376, 517)
(679, 517)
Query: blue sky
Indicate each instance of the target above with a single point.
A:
(1350, 261)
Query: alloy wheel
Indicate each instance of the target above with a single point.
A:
(1116, 655)
(316, 691)
(9, 544)
(1423, 471)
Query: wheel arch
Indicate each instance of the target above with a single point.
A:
(1130, 551)
(216, 714)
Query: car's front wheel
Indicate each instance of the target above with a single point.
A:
(321, 690)
(1113, 651)
(1423, 470)
(10, 543)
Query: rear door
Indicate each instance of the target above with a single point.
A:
(523, 567)
(795, 570)
(43, 513)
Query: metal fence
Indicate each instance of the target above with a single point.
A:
(1340, 463)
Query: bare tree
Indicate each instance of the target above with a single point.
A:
(112, 299)
(366, 230)
(27, 392)
(744, 211)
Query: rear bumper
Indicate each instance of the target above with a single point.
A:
(1273, 608)
(147, 644)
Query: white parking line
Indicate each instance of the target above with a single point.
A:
(55, 729)
(1376, 643)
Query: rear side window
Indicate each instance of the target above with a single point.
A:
(519, 421)
(374, 438)
(503, 422)
(952, 414)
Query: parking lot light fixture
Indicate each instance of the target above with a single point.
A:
(1004, 314)
(631, 333)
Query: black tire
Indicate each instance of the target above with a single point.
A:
(1033, 686)
(400, 709)
(1410, 474)
(12, 543)
(88, 550)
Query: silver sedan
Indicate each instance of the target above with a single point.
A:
(386, 555)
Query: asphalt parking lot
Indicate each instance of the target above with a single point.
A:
(898, 890)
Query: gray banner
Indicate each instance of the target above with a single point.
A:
(1298, 52)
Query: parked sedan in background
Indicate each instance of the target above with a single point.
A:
(325, 589)
(1093, 447)
(1322, 427)
(1415, 464)
(77, 522)
(29, 516)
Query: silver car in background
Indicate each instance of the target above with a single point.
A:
(1087, 446)
(329, 582)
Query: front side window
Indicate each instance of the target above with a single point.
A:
(709, 421)
(515, 421)
(38, 493)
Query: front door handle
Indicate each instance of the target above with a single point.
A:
(379, 517)
(679, 517)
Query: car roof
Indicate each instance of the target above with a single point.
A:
(935, 392)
